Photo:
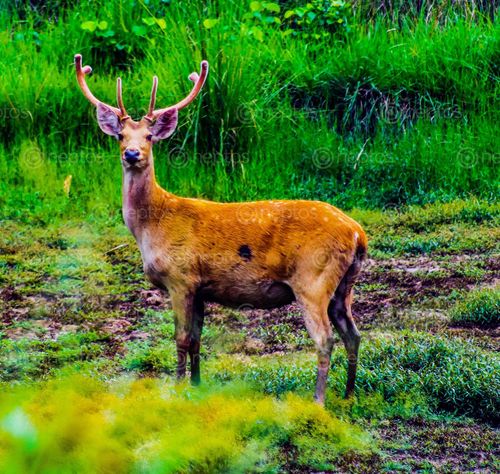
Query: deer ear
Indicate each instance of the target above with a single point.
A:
(164, 126)
(108, 120)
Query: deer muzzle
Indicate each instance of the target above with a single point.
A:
(132, 156)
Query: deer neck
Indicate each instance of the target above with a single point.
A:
(143, 199)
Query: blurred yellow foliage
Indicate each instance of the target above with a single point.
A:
(78, 424)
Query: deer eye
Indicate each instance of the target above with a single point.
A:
(119, 137)
(149, 137)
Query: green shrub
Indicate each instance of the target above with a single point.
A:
(146, 356)
(318, 19)
(78, 424)
(481, 307)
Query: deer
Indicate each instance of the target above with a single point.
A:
(262, 254)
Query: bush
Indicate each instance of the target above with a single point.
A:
(150, 357)
(481, 307)
(78, 424)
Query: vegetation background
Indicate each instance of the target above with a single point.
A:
(388, 109)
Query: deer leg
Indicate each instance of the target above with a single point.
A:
(319, 328)
(182, 305)
(339, 312)
(194, 348)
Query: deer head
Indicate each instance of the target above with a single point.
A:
(136, 138)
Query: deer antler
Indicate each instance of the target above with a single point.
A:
(198, 81)
(81, 72)
(119, 98)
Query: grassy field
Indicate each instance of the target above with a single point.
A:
(387, 109)
(374, 112)
(85, 342)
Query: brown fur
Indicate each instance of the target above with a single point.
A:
(262, 254)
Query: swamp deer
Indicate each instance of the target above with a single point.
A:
(261, 254)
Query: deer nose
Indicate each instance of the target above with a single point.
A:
(131, 155)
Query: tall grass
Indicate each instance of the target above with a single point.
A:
(381, 114)
(430, 10)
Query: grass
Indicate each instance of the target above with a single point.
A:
(70, 308)
(399, 117)
(407, 374)
(481, 307)
(391, 114)
(80, 424)
(49, 314)
(403, 376)
(443, 11)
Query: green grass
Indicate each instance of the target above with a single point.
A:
(402, 376)
(459, 226)
(80, 424)
(72, 307)
(442, 10)
(480, 307)
(390, 113)
(388, 118)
